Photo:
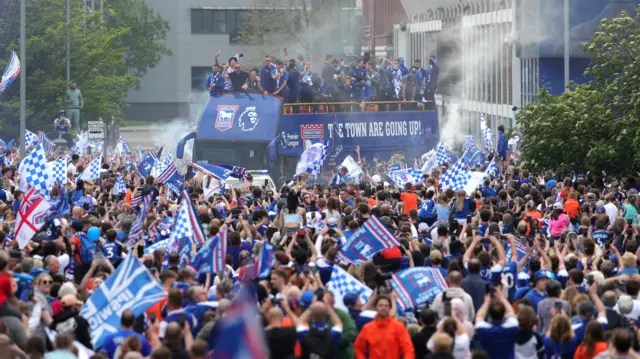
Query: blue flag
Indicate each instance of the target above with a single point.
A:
(366, 242)
(146, 164)
(417, 285)
(236, 172)
(240, 335)
(171, 178)
(185, 252)
(272, 151)
(211, 258)
(266, 259)
(131, 286)
(213, 171)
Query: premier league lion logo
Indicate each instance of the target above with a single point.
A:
(248, 119)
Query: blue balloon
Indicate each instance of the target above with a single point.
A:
(93, 233)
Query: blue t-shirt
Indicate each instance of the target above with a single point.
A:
(510, 273)
(176, 316)
(112, 251)
(336, 333)
(466, 210)
(555, 350)
(427, 208)
(498, 339)
(600, 236)
(534, 298)
(113, 342)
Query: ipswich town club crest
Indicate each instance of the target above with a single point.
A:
(225, 117)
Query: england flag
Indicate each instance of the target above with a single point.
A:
(32, 215)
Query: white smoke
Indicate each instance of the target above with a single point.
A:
(452, 133)
(168, 134)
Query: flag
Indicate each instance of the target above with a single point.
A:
(342, 283)
(456, 177)
(401, 177)
(159, 153)
(146, 164)
(469, 141)
(240, 336)
(30, 139)
(430, 161)
(441, 154)
(11, 72)
(417, 285)
(312, 159)
(352, 166)
(266, 259)
(397, 167)
(119, 187)
(366, 242)
(211, 258)
(139, 149)
(213, 171)
(122, 146)
(132, 287)
(272, 150)
(93, 171)
(58, 170)
(172, 179)
(186, 224)
(59, 206)
(138, 225)
(158, 168)
(185, 252)
(521, 251)
(168, 159)
(32, 215)
(34, 172)
(492, 169)
(486, 134)
(3, 149)
(236, 172)
(49, 145)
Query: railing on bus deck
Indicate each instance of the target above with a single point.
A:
(337, 107)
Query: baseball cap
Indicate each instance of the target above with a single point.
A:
(540, 275)
(350, 298)
(60, 112)
(557, 205)
(586, 309)
(600, 209)
(551, 183)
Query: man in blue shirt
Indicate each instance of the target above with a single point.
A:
(268, 83)
(361, 91)
(359, 72)
(502, 147)
(311, 339)
(281, 77)
(111, 345)
(539, 291)
(215, 82)
(175, 313)
(498, 334)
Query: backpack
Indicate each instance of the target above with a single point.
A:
(87, 248)
(318, 344)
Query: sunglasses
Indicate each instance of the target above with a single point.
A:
(46, 282)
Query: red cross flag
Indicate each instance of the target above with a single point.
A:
(32, 215)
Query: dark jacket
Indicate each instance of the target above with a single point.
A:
(70, 321)
(502, 144)
(474, 285)
(420, 340)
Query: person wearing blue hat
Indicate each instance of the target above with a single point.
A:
(352, 301)
(539, 291)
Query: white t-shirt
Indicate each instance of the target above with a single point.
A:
(612, 211)
(71, 168)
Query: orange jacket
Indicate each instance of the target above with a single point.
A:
(572, 208)
(384, 339)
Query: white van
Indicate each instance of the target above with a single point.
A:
(259, 178)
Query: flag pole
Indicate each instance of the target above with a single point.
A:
(23, 76)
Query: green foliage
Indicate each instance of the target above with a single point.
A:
(107, 59)
(596, 126)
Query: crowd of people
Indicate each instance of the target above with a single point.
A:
(364, 80)
(535, 266)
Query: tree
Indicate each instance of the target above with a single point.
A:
(595, 126)
(106, 59)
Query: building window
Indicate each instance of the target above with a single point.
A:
(199, 77)
(209, 21)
